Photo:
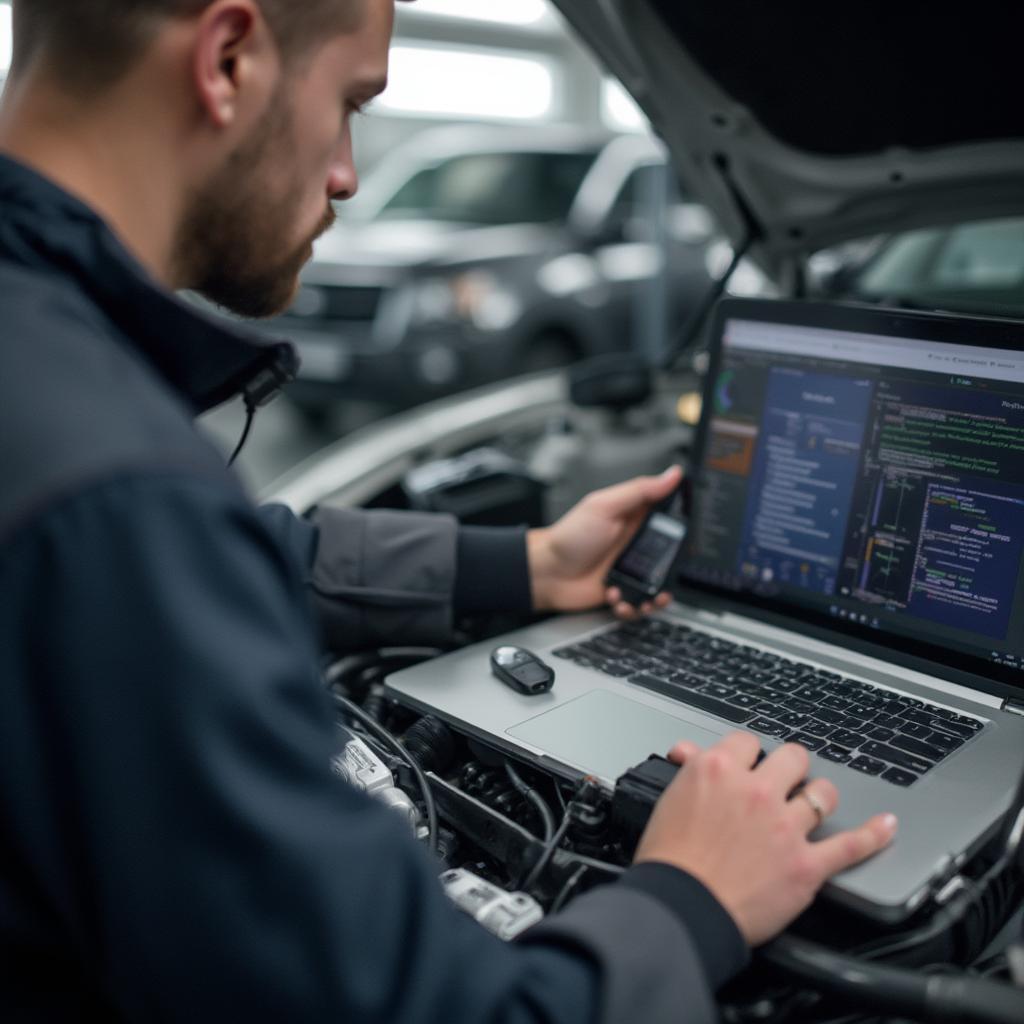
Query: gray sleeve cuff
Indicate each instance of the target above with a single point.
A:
(383, 577)
(719, 944)
(492, 574)
(649, 967)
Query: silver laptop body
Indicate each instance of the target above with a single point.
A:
(911, 591)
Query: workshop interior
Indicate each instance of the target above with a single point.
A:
(784, 249)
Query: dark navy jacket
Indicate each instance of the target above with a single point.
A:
(173, 845)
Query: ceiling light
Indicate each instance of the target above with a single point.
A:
(467, 83)
(6, 38)
(508, 12)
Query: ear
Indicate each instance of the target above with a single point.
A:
(234, 62)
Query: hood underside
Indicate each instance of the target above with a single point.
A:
(802, 126)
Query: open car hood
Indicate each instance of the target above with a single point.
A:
(809, 125)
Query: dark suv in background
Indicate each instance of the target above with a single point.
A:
(475, 254)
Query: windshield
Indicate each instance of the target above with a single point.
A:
(976, 267)
(492, 188)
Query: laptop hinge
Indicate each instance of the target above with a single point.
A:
(1014, 705)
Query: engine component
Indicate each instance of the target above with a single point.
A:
(591, 832)
(505, 914)
(616, 381)
(358, 765)
(504, 874)
(483, 486)
(495, 789)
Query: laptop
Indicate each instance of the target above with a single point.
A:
(851, 579)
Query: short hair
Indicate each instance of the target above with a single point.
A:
(92, 43)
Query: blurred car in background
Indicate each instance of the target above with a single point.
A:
(974, 267)
(910, 194)
(475, 254)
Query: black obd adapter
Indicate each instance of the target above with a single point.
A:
(637, 791)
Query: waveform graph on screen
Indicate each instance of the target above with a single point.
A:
(885, 565)
(968, 556)
(893, 527)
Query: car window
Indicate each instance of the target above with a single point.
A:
(974, 267)
(982, 256)
(902, 266)
(492, 188)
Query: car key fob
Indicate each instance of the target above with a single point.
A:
(522, 670)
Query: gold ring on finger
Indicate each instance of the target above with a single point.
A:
(814, 803)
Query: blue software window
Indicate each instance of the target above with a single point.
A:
(803, 476)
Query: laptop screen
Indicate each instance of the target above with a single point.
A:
(868, 467)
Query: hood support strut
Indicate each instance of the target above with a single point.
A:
(752, 233)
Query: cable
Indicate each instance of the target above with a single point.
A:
(546, 817)
(546, 854)
(566, 891)
(600, 865)
(558, 794)
(356, 712)
(250, 416)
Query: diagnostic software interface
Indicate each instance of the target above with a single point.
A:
(875, 479)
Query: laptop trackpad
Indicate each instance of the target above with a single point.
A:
(605, 734)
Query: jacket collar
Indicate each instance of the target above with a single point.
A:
(205, 359)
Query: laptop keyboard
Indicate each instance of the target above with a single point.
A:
(865, 727)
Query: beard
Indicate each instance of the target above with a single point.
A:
(228, 246)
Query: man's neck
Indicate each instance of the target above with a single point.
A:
(99, 154)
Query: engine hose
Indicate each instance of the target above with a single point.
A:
(376, 705)
(432, 743)
(932, 999)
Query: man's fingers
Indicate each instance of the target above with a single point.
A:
(848, 848)
(814, 803)
(741, 747)
(621, 609)
(683, 751)
(633, 495)
(625, 610)
(785, 767)
(665, 483)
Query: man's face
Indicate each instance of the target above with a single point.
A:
(250, 228)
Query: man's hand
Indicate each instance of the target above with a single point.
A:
(570, 560)
(732, 827)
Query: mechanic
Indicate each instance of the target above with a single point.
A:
(173, 845)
